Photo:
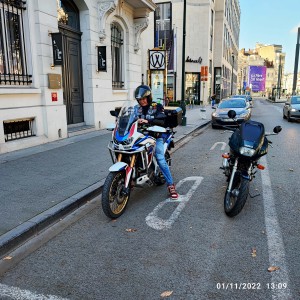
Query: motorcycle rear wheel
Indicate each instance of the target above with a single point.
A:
(233, 204)
(114, 195)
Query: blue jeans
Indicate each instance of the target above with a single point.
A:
(160, 157)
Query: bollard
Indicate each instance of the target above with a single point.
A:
(183, 107)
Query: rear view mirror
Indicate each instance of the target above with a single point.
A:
(113, 113)
(277, 129)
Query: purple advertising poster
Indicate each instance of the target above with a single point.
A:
(257, 78)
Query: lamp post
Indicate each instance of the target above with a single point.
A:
(296, 64)
(279, 77)
(232, 56)
(182, 104)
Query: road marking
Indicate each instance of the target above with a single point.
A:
(158, 223)
(18, 294)
(221, 143)
(274, 236)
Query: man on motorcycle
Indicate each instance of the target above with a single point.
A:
(147, 113)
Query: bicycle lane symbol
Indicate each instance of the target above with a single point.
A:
(155, 222)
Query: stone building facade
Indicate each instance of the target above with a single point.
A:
(64, 64)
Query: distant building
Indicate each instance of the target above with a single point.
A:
(270, 56)
(288, 81)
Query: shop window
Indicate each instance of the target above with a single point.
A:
(117, 56)
(13, 62)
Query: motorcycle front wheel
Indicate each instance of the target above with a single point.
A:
(114, 195)
(235, 200)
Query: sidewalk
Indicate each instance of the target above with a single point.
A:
(42, 184)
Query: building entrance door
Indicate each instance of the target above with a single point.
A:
(68, 24)
(192, 87)
(72, 75)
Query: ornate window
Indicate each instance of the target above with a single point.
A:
(13, 63)
(117, 56)
(68, 14)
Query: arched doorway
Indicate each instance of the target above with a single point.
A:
(69, 26)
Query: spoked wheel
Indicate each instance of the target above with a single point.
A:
(235, 200)
(115, 196)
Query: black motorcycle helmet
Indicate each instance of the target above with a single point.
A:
(143, 91)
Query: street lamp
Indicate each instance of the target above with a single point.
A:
(182, 102)
(232, 56)
(296, 64)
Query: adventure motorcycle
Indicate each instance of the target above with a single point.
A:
(247, 144)
(134, 164)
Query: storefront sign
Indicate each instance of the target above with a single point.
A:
(157, 59)
(57, 48)
(101, 54)
(204, 73)
(199, 60)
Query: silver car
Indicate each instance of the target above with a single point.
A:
(291, 109)
(220, 116)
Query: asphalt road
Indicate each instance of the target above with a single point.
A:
(187, 249)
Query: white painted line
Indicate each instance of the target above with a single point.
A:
(158, 223)
(221, 143)
(275, 242)
(18, 294)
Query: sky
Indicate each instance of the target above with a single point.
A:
(271, 22)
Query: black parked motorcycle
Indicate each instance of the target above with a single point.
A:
(248, 143)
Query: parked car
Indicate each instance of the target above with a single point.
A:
(291, 108)
(219, 116)
(248, 98)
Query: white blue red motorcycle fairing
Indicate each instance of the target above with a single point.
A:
(132, 151)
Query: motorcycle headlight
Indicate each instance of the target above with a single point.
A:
(129, 140)
(247, 151)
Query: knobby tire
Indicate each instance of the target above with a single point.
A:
(113, 202)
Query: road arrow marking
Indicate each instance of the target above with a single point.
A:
(215, 144)
(158, 223)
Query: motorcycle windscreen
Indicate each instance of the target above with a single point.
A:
(127, 116)
(252, 134)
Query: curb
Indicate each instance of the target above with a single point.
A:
(32, 227)
(22, 233)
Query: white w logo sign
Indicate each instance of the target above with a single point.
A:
(157, 60)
